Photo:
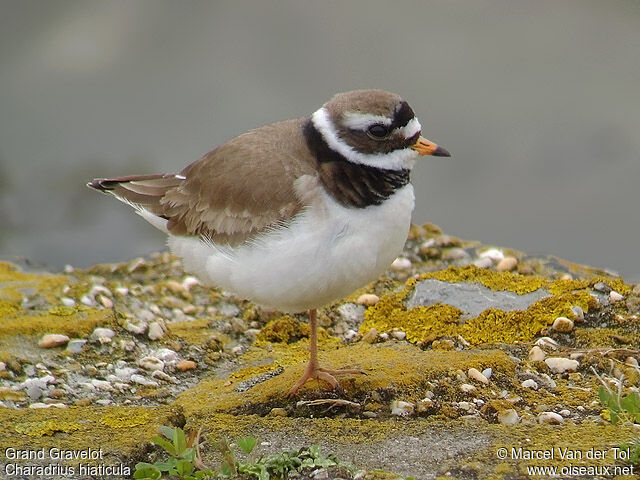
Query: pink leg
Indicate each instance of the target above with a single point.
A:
(314, 370)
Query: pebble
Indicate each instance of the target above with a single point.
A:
(566, 413)
(163, 376)
(237, 350)
(167, 355)
(487, 372)
(351, 334)
(550, 417)
(367, 299)
(508, 417)
(238, 325)
(507, 264)
(277, 412)
(3, 366)
(401, 263)
(371, 336)
(547, 342)
(466, 388)
(455, 253)
(384, 336)
(562, 324)
(53, 340)
(475, 374)
(136, 328)
(602, 287)
(399, 334)
(102, 385)
(127, 345)
(536, 354)
(102, 335)
(402, 409)
(105, 301)
(155, 331)
(530, 383)
(578, 313)
(139, 379)
(184, 365)
(67, 302)
(561, 365)
(125, 373)
(76, 345)
(484, 262)
(351, 313)
(615, 296)
(151, 363)
(493, 254)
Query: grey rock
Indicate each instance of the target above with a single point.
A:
(471, 298)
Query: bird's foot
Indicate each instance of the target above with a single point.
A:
(326, 375)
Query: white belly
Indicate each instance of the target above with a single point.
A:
(326, 253)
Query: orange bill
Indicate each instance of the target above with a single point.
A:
(425, 147)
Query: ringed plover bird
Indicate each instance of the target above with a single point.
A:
(297, 214)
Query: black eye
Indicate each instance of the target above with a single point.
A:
(378, 131)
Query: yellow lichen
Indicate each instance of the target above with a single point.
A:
(49, 427)
(126, 418)
(78, 325)
(285, 329)
(424, 324)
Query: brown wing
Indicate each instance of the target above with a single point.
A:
(234, 192)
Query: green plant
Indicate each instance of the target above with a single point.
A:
(622, 409)
(184, 460)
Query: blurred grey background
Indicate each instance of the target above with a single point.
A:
(539, 102)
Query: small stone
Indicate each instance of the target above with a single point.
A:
(487, 372)
(456, 253)
(3, 366)
(139, 379)
(561, 365)
(615, 296)
(76, 345)
(102, 385)
(167, 355)
(384, 336)
(351, 334)
(536, 354)
(399, 334)
(105, 301)
(493, 254)
(277, 412)
(351, 313)
(508, 417)
(83, 402)
(367, 299)
(67, 302)
(550, 418)
(184, 365)
(371, 336)
(562, 324)
(237, 350)
(127, 345)
(56, 393)
(125, 373)
(530, 383)
(102, 335)
(155, 331)
(475, 374)
(466, 388)
(401, 263)
(369, 414)
(547, 342)
(135, 328)
(238, 325)
(602, 287)
(53, 340)
(566, 413)
(151, 363)
(402, 409)
(578, 313)
(507, 264)
(483, 262)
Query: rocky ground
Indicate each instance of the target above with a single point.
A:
(467, 350)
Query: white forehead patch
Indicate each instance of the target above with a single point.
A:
(396, 160)
(361, 121)
(410, 129)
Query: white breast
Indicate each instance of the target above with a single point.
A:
(326, 253)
